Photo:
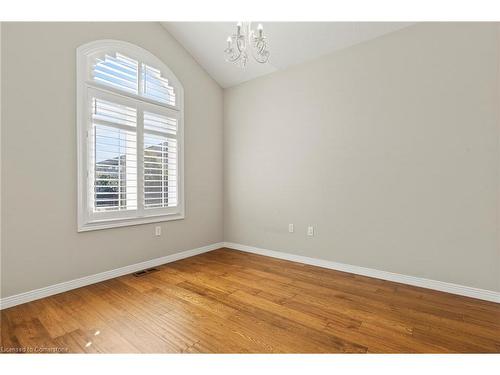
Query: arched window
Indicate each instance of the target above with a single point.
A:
(130, 137)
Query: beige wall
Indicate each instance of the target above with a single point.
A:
(40, 244)
(389, 148)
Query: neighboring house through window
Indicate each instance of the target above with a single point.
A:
(130, 137)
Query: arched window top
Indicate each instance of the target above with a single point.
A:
(129, 69)
(130, 137)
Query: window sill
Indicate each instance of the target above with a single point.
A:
(116, 223)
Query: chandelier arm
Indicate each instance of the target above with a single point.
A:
(240, 43)
(233, 57)
(233, 54)
(260, 47)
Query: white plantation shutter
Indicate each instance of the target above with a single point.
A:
(160, 161)
(132, 120)
(160, 124)
(122, 73)
(156, 87)
(114, 156)
(118, 71)
(107, 112)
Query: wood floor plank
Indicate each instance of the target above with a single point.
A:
(228, 301)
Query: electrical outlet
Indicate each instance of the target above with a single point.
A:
(158, 231)
(290, 228)
(310, 231)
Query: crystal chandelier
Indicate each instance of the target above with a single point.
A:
(243, 40)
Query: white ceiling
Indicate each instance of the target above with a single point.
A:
(290, 43)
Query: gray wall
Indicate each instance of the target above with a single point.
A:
(389, 148)
(40, 243)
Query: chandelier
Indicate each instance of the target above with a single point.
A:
(239, 43)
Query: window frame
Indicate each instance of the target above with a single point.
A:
(85, 54)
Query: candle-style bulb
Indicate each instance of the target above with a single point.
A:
(260, 28)
(238, 28)
(229, 40)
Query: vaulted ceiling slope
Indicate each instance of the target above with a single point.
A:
(290, 43)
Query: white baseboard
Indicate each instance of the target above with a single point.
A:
(487, 295)
(92, 279)
(462, 290)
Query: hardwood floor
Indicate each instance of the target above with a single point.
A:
(228, 301)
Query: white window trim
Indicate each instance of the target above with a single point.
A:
(83, 84)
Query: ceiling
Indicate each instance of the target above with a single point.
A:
(290, 43)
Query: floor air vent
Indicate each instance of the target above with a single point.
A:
(144, 272)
